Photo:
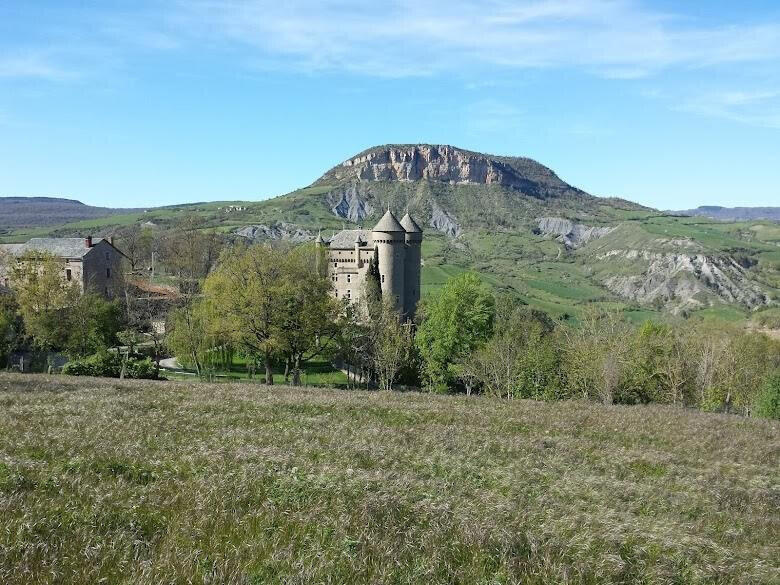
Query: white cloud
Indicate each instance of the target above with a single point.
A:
(757, 108)
(35, 65)
(616, 38)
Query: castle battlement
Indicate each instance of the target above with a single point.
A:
(394, 245)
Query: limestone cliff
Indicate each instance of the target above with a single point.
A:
(451, 165)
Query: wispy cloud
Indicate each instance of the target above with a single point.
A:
(757, 108)
(614, 38)
(34, 64)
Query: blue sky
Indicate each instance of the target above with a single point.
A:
(672, 104)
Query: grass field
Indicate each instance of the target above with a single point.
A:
(144, 482)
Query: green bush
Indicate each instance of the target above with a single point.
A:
(109, 365)
(142, 369)
(768, 404)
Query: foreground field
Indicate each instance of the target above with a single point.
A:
(142, 482)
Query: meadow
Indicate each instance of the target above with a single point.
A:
(173, 482)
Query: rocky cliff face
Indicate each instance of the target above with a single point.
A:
(277, 231)
(350, 204)
(684, 281)
(570, 234)
(454, 166)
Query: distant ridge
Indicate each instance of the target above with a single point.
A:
(733, 213)
(18, 212)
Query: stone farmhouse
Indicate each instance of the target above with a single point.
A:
(395, 245)
(93, 266)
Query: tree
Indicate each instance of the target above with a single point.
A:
(10, 327)
(455, 321)
(520, 360)
(307, 313)
(190, 252)
(44, 299)
(93, 323)
(768, 400)
(597, 358)
(131, 242)
(187, 337)
(248, 291)
(354, 343)
(143, 320)
(392, 344)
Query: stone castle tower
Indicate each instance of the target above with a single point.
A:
(395, 245)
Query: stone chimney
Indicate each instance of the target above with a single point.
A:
(111, 240)
(88, 241)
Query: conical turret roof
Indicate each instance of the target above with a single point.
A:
(388, 223)
(410, 225)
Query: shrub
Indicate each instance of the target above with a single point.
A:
(109, 365)
(142, 369)
(768, 403)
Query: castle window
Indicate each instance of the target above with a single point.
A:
(349, 278)
(108, 273)
(349, 294)
(68, 275)
(337, 294)
(383, 278)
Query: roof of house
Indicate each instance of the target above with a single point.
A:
(388, 223)
(60, 247)
(410, 225)
(346, 239)
(12, 249)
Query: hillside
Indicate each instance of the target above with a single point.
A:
(514, 221)
(733, 213)
(48, 211)
(238, 483)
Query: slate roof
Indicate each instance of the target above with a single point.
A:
(388, 223)
(60, 247)
(345, 239)
(12, 249)
(410, 225)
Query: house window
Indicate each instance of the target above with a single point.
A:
(68, 275)
(108, 256)
(108, 273)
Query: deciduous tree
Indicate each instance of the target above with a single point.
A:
(455, 321)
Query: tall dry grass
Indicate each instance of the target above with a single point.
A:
(145, 482)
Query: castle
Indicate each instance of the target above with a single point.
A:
(396, 247)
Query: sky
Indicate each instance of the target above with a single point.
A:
(144, 102)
